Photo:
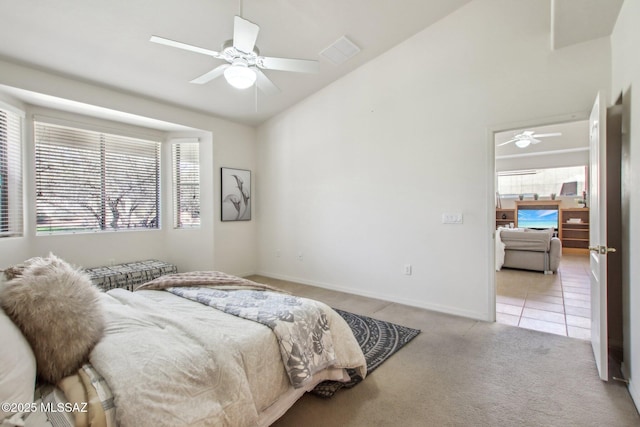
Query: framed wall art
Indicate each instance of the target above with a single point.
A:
(235, 194)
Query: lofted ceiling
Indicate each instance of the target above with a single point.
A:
(107, 43)
(576, 21)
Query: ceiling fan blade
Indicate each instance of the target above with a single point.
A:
(264, 83)
(544, 135)
(289, 64)
(245, 34)
(505, 143)
(534, 141)
(207, 77)
(180, 45)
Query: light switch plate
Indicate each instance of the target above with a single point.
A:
(452, 218)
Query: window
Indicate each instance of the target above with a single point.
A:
(541, 181)
(93, 181)
(11, 200)
(186, 184)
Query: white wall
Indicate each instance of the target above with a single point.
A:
(357, 176)
(223, 144)
(236, 251)
(625, 75)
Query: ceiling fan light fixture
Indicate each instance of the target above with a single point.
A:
(239, 75)
(522, 143)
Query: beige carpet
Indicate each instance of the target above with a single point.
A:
(460, 372)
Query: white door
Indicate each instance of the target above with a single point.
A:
(598, 234)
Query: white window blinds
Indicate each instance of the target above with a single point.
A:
(11, 198)
(186, 184)
(93, 181)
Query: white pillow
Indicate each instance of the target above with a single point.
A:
(17, 365)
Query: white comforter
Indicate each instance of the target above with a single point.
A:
(174, 362)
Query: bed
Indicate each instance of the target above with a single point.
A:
(170, 355)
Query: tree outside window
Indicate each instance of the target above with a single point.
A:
(91, 181)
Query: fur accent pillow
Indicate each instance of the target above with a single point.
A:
(58, 311)
(13, 271)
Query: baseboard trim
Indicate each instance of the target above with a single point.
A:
(385, 297)
(242, 274)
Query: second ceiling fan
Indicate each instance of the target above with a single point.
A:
(528, 137)
(244, 63)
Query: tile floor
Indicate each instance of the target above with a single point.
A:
(559, 303)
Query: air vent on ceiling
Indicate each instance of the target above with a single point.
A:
(341, 50)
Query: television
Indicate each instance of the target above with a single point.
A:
(537, 218)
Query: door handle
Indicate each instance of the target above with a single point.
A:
(602, 250)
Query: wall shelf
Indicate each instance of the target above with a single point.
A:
(574, 235)
(540, 204)
(504, 217)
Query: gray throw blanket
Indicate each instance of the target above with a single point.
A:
(300, 325)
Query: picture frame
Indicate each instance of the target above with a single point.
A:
(235, 194)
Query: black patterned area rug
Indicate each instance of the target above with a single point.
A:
(378, 340)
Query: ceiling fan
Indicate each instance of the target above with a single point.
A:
(244, 63)
(527, 137)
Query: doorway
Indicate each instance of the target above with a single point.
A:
(531, 164)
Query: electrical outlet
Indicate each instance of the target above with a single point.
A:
(278, 254)
(407, 269)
